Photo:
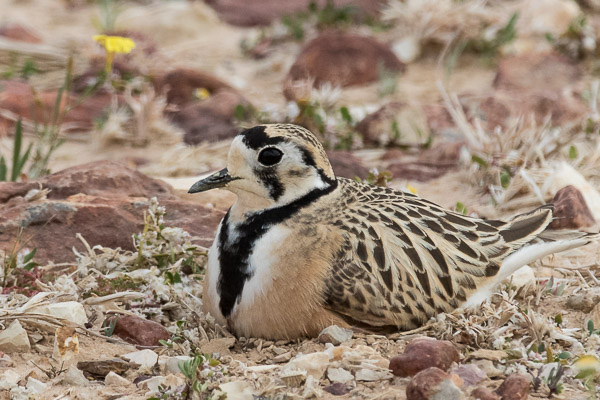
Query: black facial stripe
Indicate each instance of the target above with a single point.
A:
(255, 138)
(233, 257)
(308, 159)
(270, 179)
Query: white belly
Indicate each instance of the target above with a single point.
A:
(262, 264)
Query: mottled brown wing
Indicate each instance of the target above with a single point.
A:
(405, 259)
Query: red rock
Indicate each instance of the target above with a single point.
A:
(514, 387)
(482, 393)
(347, 165)
(337, 389)
(200, 124)
(250, 13)
(570, 210)
(432, 383)
(139, 331)
(104, 201)
(341, 59)
(209, 120)
(423, 353)
(19, 33)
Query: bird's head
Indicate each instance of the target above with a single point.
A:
(272, 165)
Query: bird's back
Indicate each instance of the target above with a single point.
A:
(404, 259)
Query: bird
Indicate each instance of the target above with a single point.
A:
(301, 249)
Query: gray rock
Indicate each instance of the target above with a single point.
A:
(335, 335)
(103, 367)
(74, 377)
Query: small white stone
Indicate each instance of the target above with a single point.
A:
(152, 384)
(36, 387)
(237, 390)
(339, 375)
(172, 364)
(145, 358)
(75, 377)
(113, 379)
(14, 339)
(69, 310)
(9, 379)
(314, 364)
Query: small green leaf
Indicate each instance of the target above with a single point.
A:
(505, 179)
(573, 153)
(558, 319)
(565, 355)
(346, 114)
(460, 208)
(479, 160)
(3, 169)
(29, 256)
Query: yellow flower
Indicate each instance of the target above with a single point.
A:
(201, 93)
(115, 44)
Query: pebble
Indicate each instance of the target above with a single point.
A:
(140, 331)
(515, 387)
(337, 389)
(470, 374)
(74, 377)
(145, 358)
(285, 357)
(433, 383)
(339, 375)
(113, 379)
(14, 339)
(9, 379)
(335, 335)
(570, 210)
(314, 364)
(36, 387)
(103, 367)
(423, 353)
(152, 384)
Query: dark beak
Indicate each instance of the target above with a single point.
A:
(216, 180)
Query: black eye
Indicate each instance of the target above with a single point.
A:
(270, 156)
